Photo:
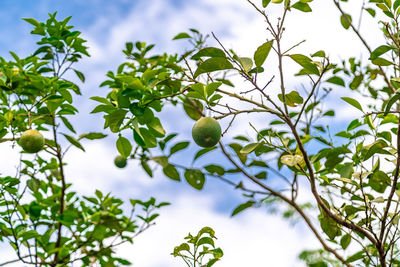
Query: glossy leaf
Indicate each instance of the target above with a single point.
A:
(171, 172)
(306, 63)
(242, 207)
(345, 20)
(262, 52)
(124, 146)
(213, 64)
(353, 102)
(195, 178)
(209, 52)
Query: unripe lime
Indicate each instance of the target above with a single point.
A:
(120, 161)
(206, 132)
(31, 141)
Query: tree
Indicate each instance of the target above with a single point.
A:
(352, 175)
(43, 220)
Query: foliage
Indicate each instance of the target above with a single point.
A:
(41, 218)
(352, 174)
(199, 250)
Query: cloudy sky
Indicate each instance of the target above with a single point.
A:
(253, 238)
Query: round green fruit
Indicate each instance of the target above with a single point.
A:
(206, 132)
(31, 141)
(120, 161)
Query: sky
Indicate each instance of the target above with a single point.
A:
(253, 238)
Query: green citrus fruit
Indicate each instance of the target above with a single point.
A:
(120, 161)
(31, 141)
(206, 132)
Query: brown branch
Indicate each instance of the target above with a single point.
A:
(390, 198)
(267, 109)
(234, 113)
(288, 201)
(63, 189)
(364, 42)
(311, 94)
(318, 198)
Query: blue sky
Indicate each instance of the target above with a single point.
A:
(108, 25)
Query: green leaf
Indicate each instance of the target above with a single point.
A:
(262, 52)
(371, 11)
(396, 4)
(155, 124)
(74, 142)
(249, 148)
(29, 235)
(302, 7)
(345, 20)
(261, 175)
(182, 35)
(379, 181)
(336, 80)
(32, 21)
(193, 108)
(379, 51)
(209, 52)
(353, 102)
(162, 160)
(115, 119)
(320, 53)
(345, 241)
(306, 63)
(355, 257)
(124, 146)
(171, 172)
(195, 178)
(328, 225)
(213, 64)
(265, 3)
(381, 62)
(211, 87)
(80, 75)
(123, 261)
(356, 82)
(391, 102)
(178, 146)
(203, 151)
(246, 63)
(67, 124)
(148, 137)
(237, 147)
(243, 206)
(215, 169)
(92, 136)
(292, 99)
(146, 167)
(291, 160)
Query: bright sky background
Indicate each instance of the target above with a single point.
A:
(253, 238)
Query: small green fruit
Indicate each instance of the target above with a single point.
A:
(31, 141)
(120, 161)
(206, 132)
